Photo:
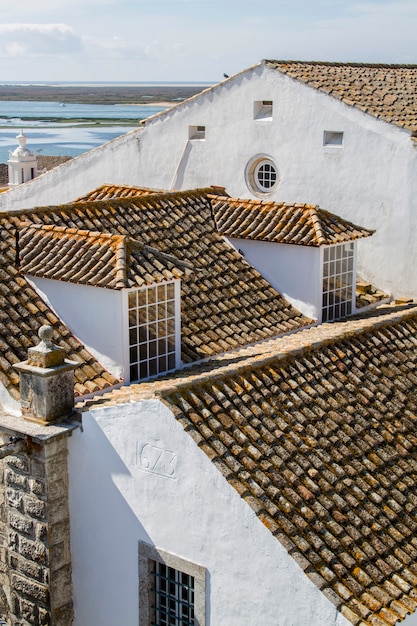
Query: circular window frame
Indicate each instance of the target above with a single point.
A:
(252, 171)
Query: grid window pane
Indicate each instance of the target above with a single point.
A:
(266, 176)
(338, 262)
(173, 597)
(152, 329)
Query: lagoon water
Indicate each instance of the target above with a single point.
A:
(64, 138)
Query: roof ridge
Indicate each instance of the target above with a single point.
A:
(121, 262)
(328, 334)
(83, 232)
(341, 63)
(280, 348)
(199, 191)
(317, 225)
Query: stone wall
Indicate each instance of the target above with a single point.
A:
(35, 559)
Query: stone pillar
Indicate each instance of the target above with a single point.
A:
(46, 381)
(35, 555)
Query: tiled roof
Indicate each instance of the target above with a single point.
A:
(388, 92)
(317, 432)
(93, 258)
(22, 313)
(225, 302)
(277, 222)
(107, 192)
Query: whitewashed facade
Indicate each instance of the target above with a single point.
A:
(325, 152)
(136, 476)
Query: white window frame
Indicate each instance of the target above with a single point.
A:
(252, 172)
(177, 331)
(258, 177)
(148, 555)
(338, 309)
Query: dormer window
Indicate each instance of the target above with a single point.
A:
(262, 110)
(154, 330)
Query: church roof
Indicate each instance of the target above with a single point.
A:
(226, 303)
(317, 432)
(277, 222)
(388, 92)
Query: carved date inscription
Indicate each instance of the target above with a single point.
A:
(156, 460)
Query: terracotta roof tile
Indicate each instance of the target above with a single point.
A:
(336, 486)
(107, 192)
(226, 304)
(22, 313)
(388, 92)
(277, 222)
(93, 258)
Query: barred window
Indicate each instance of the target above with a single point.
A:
(171, 589)
(172, 597)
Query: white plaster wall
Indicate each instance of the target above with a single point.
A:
(94, 316)
(120, 494)
(114, 162)
(294, 271)
(371, 180)
(7, 403)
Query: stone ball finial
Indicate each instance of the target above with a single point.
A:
(45, 333)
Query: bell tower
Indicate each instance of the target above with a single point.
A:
(22, 163)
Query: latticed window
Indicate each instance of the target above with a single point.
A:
(173, 597)
(338, 281)
(153, 330)
(265, 175)
(172, 591)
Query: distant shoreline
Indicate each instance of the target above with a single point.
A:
(112, 94)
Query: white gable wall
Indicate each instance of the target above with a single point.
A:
(371, 180)
(294, 271)
(94, 315)
(119, 495)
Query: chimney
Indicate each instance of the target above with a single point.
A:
(46, 382)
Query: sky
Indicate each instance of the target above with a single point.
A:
(195, 40)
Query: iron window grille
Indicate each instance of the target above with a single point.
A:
(172, 590)
(173, 597)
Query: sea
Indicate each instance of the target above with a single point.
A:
(47, 136)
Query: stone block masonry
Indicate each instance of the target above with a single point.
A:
(35, 554)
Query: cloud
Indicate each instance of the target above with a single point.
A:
(37, 40)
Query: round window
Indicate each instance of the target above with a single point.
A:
(261, 175)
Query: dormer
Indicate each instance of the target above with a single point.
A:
(120, 297)
(306, 253)
(22, 163)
